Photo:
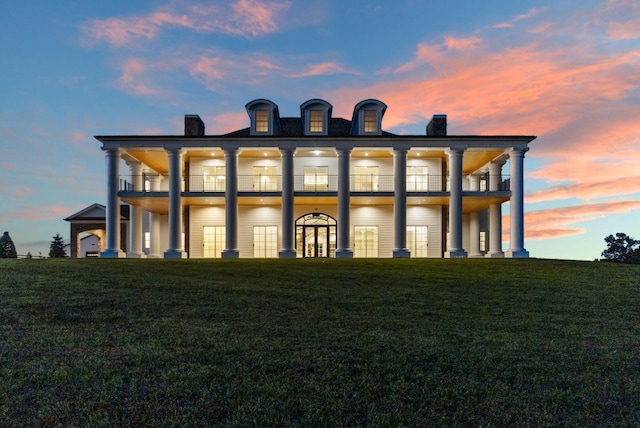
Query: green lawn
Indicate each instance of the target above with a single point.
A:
(319, 343)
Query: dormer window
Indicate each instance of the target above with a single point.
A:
(367, 117)
(262, 121)
(264, 116)
(315, 121)
(370, 121)
(316, 117)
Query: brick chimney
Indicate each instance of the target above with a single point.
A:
(437, 127)
(193, 126)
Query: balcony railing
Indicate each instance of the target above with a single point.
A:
(318, 183)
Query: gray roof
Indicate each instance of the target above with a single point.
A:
(292, 127)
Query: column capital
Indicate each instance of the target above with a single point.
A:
(229, 147)
(518, 151)
(456, 149)
(173, 149)
(287, 146)
(344, 146)
(111, 151)
(401, 147)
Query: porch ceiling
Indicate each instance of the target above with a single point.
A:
(158, 160)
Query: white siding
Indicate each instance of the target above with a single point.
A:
(372, 215)
(435, 171)
(245, 165)
(301, 162)
(249, 216)
(385, 165)
(200, 217)
(431, 216)
(196, 171)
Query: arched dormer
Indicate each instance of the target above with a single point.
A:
(316, 117)
(367, 117)
(264, 116)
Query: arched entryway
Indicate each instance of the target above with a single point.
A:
(316, 235)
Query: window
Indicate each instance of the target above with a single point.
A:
(147, 240)
(265, 241)
(213, 240)
(417, 240)
(370, 121)
(483, 241)
(366, 179)
(213, 178)
(316, 178)
(417, 179)
(262, 121)
(315, 121)
(482, 186)
(265, 179)
(366, 241)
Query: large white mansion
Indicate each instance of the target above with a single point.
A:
(314, 186)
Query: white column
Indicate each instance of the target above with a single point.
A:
(400, 201)
(288, 251)
(474, 222)
(175, 250)
(344, 200)
(154, 221)
(495, 212)
(516, 160)
(112, 157)
(455, 203)
(231, 203)
(135, 213)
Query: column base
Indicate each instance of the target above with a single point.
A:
(287, 254)
(136, 256)
(175, 254)
(154, 256)
(455, 254)
(230, 254)
(401, 254)
(517, 254)
(113, 254)
(499, 255)
(344, 254)
(475, 256)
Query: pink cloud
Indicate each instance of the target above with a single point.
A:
(625, 30)
(133, 78)
(462, 43)
(227, 122)
(530, 14)
(37, 213)
(323, 69)
(560, 222)
(247, 18)
(588, 190)
(580, 99)
(16, 192)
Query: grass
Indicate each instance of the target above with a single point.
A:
(319, 343)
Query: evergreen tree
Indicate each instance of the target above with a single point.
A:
(7, 248)
(57, 247)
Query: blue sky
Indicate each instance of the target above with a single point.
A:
(566, 71)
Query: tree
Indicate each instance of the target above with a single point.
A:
(621, 249)
(57, 247)
(7, 248)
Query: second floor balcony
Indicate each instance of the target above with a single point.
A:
(312, 184)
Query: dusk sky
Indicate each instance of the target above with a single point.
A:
(566, 71)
